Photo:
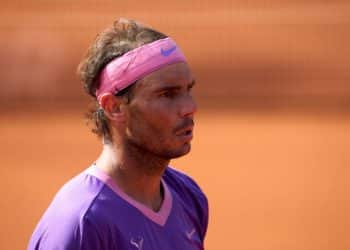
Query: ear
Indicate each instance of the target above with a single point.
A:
(112, 107)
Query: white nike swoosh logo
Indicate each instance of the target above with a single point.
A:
(190, 233)
(138, 244)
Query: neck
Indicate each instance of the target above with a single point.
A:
(137, 173)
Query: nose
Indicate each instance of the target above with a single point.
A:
(188, 107)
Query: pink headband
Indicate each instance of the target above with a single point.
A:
(136, 64)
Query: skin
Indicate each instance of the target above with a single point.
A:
(153, 128)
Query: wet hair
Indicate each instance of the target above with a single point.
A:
(124, 35)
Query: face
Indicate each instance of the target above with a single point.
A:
(160, 113)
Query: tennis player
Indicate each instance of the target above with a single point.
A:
(130, 198)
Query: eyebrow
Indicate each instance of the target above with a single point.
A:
(175, 87)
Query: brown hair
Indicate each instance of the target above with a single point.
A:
(123, 36)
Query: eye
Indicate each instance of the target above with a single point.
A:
(190, 87)
(169, 93)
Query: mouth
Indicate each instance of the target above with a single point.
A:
(186, 134)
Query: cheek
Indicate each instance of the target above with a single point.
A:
(161, 119)
(156, 117)
(159, 114)
(148, 123)
(159, 125)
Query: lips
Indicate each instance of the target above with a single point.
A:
(186, 133)
(185, 126)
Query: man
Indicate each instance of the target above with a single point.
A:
(130, 198)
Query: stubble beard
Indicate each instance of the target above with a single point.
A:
(153, 159)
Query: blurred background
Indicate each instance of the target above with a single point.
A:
(272, 143)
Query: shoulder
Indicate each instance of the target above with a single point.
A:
(181, 182)
(68, 223)
(190, 193)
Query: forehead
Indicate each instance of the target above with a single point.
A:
(178, 73)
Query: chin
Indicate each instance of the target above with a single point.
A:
(180, 152)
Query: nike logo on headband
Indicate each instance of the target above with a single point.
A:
(168, 51)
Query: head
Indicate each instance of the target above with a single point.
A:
(152, 113)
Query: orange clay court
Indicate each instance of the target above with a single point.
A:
(274, 181)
